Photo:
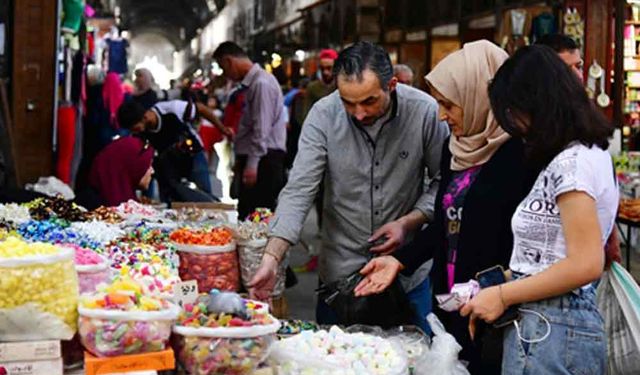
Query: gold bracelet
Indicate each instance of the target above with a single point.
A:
(276, 257)
(501, 297)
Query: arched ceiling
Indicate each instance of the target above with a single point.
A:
(177, 20)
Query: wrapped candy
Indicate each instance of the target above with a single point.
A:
(156, 279)
(213, 267)
(133, 208)
(97, 231)
(105, 214)
(46, 208)
(147, 235)
(54, 231)
(260, 215)
(120, 320)
(38, 291)
(14, 213)
(336, 352)
(219, 236)
(234, 347)
(137, 254)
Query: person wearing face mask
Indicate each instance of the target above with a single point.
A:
(560, 227)
(377, 144)
(483, 180)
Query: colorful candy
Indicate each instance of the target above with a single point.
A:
(215, 270)
(293, 327)
(92, 269)
(156, 279)
(119, 319)
(45, 208)
(41, 275)
(260, 215)
(54, 231)
(106, 214)
(219, 236)
(133, 208)
(144, 234)
(217, 343)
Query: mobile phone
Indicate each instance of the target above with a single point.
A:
(495, 276)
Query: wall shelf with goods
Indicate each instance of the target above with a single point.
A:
(631, 66)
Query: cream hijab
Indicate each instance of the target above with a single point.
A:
(463, 78)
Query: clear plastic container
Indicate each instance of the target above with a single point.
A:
(213, 267)
(90, 276)
(224, 351)
(107, 333)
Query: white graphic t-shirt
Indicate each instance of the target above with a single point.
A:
(538, 239)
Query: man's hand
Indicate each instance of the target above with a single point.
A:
(228, 132)
(394, 233)
(380, 273)
(261, 286)
(250, 177)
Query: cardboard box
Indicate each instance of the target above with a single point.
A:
(46, 367)
(128, 363)
(29, 350)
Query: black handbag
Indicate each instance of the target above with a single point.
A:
(387, 309)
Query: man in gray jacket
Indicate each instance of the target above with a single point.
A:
(378, 145)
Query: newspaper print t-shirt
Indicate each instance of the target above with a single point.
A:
(452, 204)
(538, 239)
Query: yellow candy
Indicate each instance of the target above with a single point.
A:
(53, 287)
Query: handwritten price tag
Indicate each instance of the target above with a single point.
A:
(185, 292)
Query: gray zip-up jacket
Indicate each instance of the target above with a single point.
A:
(368, 182)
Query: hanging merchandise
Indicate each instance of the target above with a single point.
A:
(66, 141)
(117, 51)
(595, 72)
(73, 10)
(574, 27)
(516, 26)
(543, 24)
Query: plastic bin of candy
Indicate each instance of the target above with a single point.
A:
(213, 267)
(224, 350)
(109, 333)
(38, 292)
(92, 275)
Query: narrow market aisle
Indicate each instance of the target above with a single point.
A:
(301, 298)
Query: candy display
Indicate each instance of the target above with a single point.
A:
(214, 267)
(156, 279)
(105, 214)
(293, 327)
(14, 213)
(250, 256)
(219, 236)
(45, 208)
(135, 254)
(97, 231)
(92, 269)
(38, 291)
(54, 231)
(195, 215)
(336, 352)
(208, 342)
(260, 215)
(119, 319)
(147, 235)
(133, 208)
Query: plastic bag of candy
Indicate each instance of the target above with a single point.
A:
(92, 275)
(213, 267)
(249, 256)
(224, 350)
(38, 292)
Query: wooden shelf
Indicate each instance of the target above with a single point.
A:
(632, 22)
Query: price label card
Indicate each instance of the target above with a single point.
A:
(185, 292)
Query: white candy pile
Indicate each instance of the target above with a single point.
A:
(13, 212)
(341, 353)
(98, 231)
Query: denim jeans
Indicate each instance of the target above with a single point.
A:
(576, 343)
(200, 172)
(420, 299)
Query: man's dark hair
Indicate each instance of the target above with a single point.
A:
(536, 85)
(558, 42)
(129, 114)
(354, 60)
(229, 49)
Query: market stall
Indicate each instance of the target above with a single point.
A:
(140, 288)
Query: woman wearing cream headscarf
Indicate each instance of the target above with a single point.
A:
(482, 181)
(144, 92)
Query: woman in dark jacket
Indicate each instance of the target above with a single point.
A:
(483, 179)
